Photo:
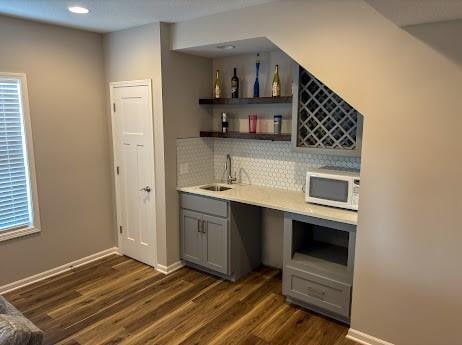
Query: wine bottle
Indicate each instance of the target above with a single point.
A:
(256, 85)
(217, 87)
(235, 85)
(276, 89)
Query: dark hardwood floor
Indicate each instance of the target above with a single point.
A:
(117, 300)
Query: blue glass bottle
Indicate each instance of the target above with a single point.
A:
(256, 85)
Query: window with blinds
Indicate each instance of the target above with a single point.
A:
(16, 206)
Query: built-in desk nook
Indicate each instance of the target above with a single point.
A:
(221, 235)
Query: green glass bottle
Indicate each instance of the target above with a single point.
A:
(217, 86)
(276, 87)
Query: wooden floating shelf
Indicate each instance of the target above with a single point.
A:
(241, 135)
(250, 100)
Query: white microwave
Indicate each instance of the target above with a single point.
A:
(333, 187)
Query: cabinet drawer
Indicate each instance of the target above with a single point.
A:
(204, 204)
(318, 291)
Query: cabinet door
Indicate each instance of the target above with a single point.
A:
(215, 251)
(191, 236)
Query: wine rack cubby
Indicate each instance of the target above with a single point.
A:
(322, 120)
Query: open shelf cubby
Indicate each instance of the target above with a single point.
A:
(321, 250)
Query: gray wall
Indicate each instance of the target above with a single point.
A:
(444, 37)
(272, 237)
(65, 77)
(183, 83)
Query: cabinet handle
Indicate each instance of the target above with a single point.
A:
(199, 225)
(204, 227)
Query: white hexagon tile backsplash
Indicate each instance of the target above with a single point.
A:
(256, 162)
(194, 160)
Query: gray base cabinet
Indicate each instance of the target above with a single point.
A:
(318, 264)
(205, 240)
(220, 237)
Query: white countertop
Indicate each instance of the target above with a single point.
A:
(278, 199)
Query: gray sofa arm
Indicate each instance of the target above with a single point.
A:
(10, 320)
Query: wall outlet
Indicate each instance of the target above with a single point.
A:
(184, 168)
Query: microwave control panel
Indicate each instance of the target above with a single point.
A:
(355, 197)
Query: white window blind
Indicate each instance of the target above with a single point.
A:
(16, 209)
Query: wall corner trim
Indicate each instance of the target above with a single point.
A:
(171, 268)
(365, 339)
(57, 270)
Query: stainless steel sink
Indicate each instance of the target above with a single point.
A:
(215, 188)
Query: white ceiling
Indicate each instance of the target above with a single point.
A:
(411, 12)
(113, 15)
(250, 46)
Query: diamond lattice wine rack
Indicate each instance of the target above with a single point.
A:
(323, 120)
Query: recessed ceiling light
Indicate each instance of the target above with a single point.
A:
(227, 46)
(78, 9)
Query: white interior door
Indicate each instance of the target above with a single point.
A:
(134, 159)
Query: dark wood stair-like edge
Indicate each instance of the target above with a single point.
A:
(241, 135)
(250, 100)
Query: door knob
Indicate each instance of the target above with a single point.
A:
(147, 189)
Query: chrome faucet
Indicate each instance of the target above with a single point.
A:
(228, 170)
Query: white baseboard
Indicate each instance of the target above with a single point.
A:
(365, 339)
(57, 270)
(171, 268)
